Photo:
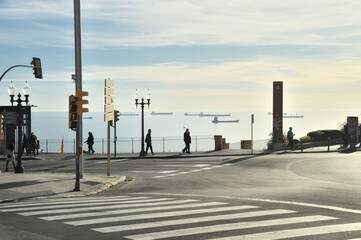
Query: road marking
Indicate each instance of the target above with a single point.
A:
(162, 214)
(300, 232)
(74, 204)
(55, 202)
(145, 207)
(82, 209)
(340, 209)
(165, 172)
(203, 168)
(116, 160)
(228, 227)
(191, 220)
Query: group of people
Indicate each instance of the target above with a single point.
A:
(186, 138)
(30, 145)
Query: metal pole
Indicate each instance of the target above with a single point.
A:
(19, 167)
(115, 138)
(163, 145)
(78, 86)
(132, 145)
(252, 122)
(108, 150)
(142, 152)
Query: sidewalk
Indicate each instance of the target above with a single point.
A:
(15, 187)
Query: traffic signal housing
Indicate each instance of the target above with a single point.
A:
(73, 112)
(116, 115)
(37, 67)
(79, 95)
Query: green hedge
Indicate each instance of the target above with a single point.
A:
(321, 135)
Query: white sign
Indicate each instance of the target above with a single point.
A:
(108, 117)
(109, 100)
(109, 82)
(109, 91)
(108, 108)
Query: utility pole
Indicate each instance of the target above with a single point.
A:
(78, 86)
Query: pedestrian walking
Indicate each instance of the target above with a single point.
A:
(290, 136)
(90, 142)
(32, 143)
(148, 140)
(25, 145)
(187, 140)
(37, 146)
(10, 156)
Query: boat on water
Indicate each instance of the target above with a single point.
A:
(129, 114)
(286, 115)
(162, 113)
(201, 114)
(215, 120)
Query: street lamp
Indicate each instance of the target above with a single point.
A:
(26, 92)
(142, 103)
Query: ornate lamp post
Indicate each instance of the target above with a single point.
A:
(142, 103)
(26, 92)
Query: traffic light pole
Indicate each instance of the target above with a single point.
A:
(78, 86)
(115, 137)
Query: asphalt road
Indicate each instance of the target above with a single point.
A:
(276, 196)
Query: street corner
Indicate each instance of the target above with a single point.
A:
(93, 184)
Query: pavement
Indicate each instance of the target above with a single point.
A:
(22, 186)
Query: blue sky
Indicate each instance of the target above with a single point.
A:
(204, 55)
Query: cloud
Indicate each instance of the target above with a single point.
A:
(139, 23)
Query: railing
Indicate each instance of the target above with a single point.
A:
(129, 145)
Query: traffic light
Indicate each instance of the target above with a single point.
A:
(81, 101)
(73, 112)
(37, 67)
(1, 124)
(116, 115)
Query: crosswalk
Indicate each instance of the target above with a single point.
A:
(138, 217)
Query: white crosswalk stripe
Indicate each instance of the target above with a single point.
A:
(227, 227)
(199, 168)
(145, 218)
(191, 220)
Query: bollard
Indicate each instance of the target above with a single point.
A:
(328, 144)
(301, 145)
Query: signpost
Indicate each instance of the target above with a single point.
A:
(108, 114)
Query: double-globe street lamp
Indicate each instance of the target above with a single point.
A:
(142, 103)
(26, 92)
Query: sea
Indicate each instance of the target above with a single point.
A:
(54, 125)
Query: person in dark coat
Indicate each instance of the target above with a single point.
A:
(290, 136)
(187, 140)
(90, 142)
(32, 143)
(25, 145)
(148, 141)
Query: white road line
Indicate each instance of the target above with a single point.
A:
(180, 165)
(300, 232)
(228, 227)
(145, 207)
(340, 209)
(170, 171)
(82, 209)
(76, 204)
(71, 200)
(116, 160)
(191, 220)
(159, 215)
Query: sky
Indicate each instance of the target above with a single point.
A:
(204, 55)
